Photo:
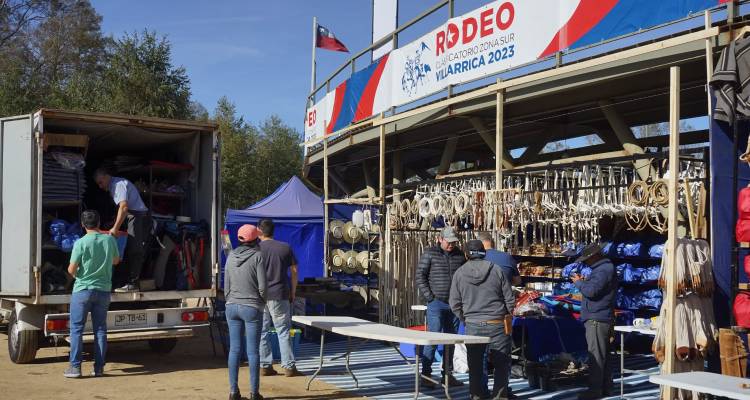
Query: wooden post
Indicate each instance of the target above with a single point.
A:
(325, 205)
(381, 188)
(499, 118)
(674, 171)
(709, 60)
(398, 174)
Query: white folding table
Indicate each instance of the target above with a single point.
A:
(623, 330)
(707, 382)
(362, 329)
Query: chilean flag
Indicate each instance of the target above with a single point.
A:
(326, 40)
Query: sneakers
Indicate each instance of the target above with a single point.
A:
(72, 372)
(453, 382)
(127, 288)
(97, 373)
(268, 371)
(255, 396)
(290, 372)
(235, 396)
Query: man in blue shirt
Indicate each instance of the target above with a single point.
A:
(500, 258)
(132, 211)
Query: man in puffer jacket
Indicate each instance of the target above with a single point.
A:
(434, 274)
(482, 298)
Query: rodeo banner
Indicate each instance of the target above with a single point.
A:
(494, 38)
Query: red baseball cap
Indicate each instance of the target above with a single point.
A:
(247, 233)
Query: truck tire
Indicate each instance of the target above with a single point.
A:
(22, 344)
(162, 346)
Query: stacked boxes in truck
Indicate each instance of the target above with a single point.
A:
(181, 153)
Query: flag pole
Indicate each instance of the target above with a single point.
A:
(314, 45)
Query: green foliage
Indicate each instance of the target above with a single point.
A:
(255, 160)
(141, 80)
(53, 54)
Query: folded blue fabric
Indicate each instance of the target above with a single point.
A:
(631, 274)
(651, 274)
(564, 288)
(638, 299)
(656, 251)
(576, 268)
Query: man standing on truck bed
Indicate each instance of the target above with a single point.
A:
(132, 210)
(91, 264)
(279, 261)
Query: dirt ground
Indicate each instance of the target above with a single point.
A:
(133, 372)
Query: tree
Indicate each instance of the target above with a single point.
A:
(140, 78)
(51, 42)
(279, 153)
(254, 160)
(16, 16)
(238, 143)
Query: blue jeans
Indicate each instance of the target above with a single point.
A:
(440, 318)
(243, 317)
(499, 352)
(277, 315)
(82, 303)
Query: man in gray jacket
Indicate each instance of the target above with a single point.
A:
(482, 298)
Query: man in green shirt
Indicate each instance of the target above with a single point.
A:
(91, 264)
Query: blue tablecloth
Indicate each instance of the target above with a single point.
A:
(548, 336)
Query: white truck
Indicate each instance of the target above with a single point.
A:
(37, 317)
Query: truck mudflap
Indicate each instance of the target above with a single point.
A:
(165, 320)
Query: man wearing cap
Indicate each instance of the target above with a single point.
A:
(482, 297)
(597, 313)
(434, 275)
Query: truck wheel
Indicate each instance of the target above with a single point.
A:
(22, 344)
(162, 346)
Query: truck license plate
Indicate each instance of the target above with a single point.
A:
(131, 319)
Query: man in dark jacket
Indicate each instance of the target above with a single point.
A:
(482, 297)
(434, 274)
(597, 314)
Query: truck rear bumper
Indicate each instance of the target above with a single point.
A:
(134, 321)
(140, 335)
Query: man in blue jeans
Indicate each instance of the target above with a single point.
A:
(91, 263)
(280, 263)
(483, 298)
(434, 274)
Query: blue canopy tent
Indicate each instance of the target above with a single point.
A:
(297, 214)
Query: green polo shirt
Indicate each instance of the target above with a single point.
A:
(94, 254)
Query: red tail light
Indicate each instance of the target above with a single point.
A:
(195, 316)
(56, 325)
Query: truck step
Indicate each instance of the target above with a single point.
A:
(140, 335)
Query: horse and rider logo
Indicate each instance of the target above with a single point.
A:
(415, 72)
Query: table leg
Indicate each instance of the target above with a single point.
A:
(348, 369)
(395, 347)
(320, 366)
(446, 388)
(622, 365)
(417, 374)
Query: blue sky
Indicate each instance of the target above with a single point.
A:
(257, 53)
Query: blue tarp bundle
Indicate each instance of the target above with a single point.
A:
(297, 214)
